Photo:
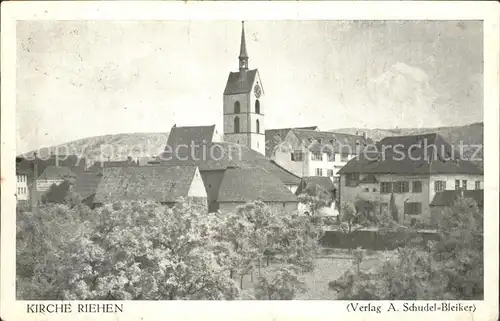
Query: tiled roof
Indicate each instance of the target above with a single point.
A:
(248, 184)
(182, 139)
(447, 198)
(424, 160)
(239, 84)
(222, 155)
(323, 182)
(57, 172)
(157, 183)
(326, 141)
(274, 136)
(86, 183)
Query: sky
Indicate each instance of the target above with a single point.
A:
(77, 79)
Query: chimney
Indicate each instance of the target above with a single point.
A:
(364, 135)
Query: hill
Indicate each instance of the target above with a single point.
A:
(114, 147)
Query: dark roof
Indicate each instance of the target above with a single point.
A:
(399, 155)
(157, 183)
(287, 177)
(274, 136)
(369, 179)
(57, 172)
(238, 83)
(447, 198)
(249, 184)
(86, 183)
(326, 141)
(181, 139)
(322, 182)
(222, 155)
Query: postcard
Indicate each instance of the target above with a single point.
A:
(249, 160)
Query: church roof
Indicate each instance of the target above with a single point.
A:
(238, 83)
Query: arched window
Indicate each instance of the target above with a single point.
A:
(236, 125)
(236, 107)
(257, 106)
(257, 126)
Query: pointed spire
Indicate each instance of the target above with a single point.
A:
(243, 49)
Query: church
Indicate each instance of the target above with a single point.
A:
(235, 170)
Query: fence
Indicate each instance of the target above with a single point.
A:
(370, 239)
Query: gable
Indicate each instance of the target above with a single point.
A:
(197, 188)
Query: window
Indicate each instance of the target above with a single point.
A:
(257, 126)
(401, 187)
(236, 125)
(457, 184)
(317, 156)
(297, 156)
(464, 184)
(257, 106)
(329, 172)
(374, 190)
(319, 172)
(236, 107)
(417, 187)
(331, 157)
(439, 186)
(344, 157)
(352, 179)
(367, 189)
(385, 187)
(478, 185)
(413, 208)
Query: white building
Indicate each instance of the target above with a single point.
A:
(22, 192)
(317, 153)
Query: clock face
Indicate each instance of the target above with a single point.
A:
(257, 91)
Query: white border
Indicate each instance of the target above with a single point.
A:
(336, 10)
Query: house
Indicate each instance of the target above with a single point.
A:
(215, 160)
(413, 168)
(163, 184)
(312, 182)
(241, 185)
(275, 136)
(447, 198)
(317, 153)
(85, 186)
(22, 190)
(312, 185)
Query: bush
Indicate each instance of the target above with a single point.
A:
(450, 268)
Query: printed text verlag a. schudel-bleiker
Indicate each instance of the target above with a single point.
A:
(69, 308)
(411, 307)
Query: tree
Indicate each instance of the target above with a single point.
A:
(394, 209)
(315, 198)
(134, 251)
(450, 268)
(283, 283)
(57, 193)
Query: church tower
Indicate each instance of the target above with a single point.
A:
(243, 104)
